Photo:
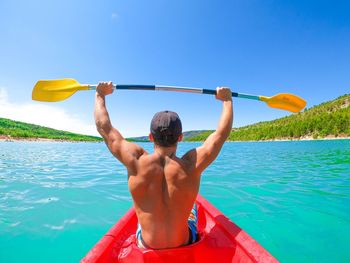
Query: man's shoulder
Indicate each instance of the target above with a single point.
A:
(189, 160)
(190, 156)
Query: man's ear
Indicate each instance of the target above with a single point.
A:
(180, 138)
(150, 136)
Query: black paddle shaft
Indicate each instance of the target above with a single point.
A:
(169, 88)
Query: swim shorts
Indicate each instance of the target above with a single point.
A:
(192, 226)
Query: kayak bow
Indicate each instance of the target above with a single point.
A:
(220, 240)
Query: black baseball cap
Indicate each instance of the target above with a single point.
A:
(166, 128)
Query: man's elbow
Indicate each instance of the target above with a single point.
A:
(99, 129)
(102, 128)
(98, 124)
(223, 135)
(227, 134)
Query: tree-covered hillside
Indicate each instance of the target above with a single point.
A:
(331, 118)
(16, 129)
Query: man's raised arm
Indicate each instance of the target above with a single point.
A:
(204, 155)
(123, 150)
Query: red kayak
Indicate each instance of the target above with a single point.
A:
(220, 240)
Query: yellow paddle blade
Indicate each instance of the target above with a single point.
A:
(285, 101)
(56, 90)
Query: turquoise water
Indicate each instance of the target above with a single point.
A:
(58, 199)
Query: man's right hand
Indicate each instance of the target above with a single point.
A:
(223, 94)
(105, 88)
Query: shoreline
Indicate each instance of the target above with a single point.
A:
(299, 139)
(305, 138)
(15, 139)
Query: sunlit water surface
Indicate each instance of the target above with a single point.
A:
(58, 199)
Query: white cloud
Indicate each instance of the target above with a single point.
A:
(44, 115)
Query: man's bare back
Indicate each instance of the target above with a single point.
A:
(163, 186)
(164, 190)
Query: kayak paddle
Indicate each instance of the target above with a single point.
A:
(61, 89)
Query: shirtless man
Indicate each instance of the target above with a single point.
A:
(163, 186)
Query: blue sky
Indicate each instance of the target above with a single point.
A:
(256, 47)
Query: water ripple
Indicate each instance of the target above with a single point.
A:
(285, 194)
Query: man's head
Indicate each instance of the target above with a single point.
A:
(166, 128)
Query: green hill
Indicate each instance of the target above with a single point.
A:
(22, 130)
(329, 119)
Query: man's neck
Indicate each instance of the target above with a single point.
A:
(165, 151)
